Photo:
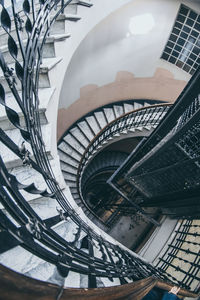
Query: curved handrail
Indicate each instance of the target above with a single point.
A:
(52, 291)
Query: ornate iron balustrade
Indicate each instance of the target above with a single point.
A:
(28, 229)
(183, 249)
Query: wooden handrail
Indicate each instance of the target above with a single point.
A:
(15, 286)
(167, 287)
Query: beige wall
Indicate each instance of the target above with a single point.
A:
(162, 86)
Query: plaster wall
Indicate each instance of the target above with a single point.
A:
(65, 49)
(110, 48)
(111, 64)
(162, 86)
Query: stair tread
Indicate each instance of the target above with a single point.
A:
(128, 107)
(93, 124)
(74, 143)
(47, 65)
(119, 110)
(101, 119)
(76, 132)
(69, 176)
(84, 127)
(72, 17)
(68, 158)
(68, 168)
(49, 39)
(70, 183)
(69, 151)
(44, 97)
(109, 113)
(84, 3)
(9, 157)
(137, 105)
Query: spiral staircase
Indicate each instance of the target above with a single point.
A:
(44, 233)
(76, 141)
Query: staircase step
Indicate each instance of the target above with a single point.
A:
(128, 107)
(48, 49)
(25, 260)
(72, 280)
(45, 207)
(11, 159)
(72, 17)
(69, 9)
(73, 190)
(65, 158)
(69, 177)
(137, 105)
(148, 127)
(84, 3)
(66, 167)
(85, 129)
(119, 110)
(146, 104)
(70, 183)
(94, 126)
(70, 140)
(47, 65)
(76, 132)
(45, 96)
(59, 25)
(131, 129)
(43, 271)
(100, 117)
(69, 151)
(66, 229)
(109, 113)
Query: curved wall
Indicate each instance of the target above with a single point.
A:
(113, 63)
(162, 86)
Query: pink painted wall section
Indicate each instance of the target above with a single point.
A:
(162, 86)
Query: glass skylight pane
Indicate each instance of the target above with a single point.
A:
(183, 46)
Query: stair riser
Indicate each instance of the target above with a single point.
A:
(11, 160)
(43, 82)
(5, 124)
(48, 51)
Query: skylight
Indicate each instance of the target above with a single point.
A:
(183, 46)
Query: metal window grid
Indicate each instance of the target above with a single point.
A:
(183, 45)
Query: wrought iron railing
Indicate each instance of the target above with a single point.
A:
(183, 250)
(169, 178)
(137, 119)
(149, 116)
(28, 229)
